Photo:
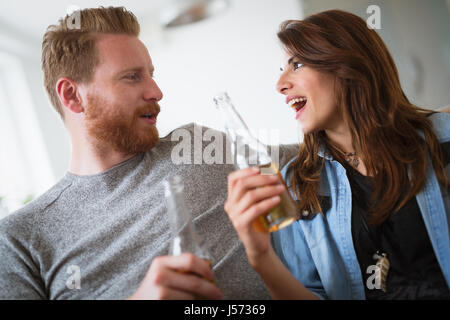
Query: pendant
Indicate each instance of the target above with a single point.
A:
(383, 269)
(351, 159)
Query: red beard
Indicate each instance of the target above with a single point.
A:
(112, 127)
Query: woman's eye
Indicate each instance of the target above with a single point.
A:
(297, 65)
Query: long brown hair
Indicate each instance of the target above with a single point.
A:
(384, 124)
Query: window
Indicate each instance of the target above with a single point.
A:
(24, 165)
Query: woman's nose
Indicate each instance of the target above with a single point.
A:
(283, 84)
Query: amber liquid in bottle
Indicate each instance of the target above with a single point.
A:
(246, 150)
(283, 214)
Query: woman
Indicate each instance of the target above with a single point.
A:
(370, 178)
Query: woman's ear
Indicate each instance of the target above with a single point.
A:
(69, 96)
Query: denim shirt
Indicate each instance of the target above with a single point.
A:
(320, 253)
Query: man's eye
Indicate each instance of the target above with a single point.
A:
(133, 77)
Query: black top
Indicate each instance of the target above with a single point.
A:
(414, 270)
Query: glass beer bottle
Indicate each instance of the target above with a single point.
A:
(246, 150)
(184, 239)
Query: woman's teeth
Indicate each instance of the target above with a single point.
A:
(297, 103)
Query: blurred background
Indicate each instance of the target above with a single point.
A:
(199, 48)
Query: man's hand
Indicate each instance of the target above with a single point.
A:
(182, 277)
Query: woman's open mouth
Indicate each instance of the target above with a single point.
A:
(298, 105)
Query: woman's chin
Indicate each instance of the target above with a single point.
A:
(304, 128)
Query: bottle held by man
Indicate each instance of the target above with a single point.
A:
(184, 239)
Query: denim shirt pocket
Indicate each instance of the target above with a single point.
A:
(325, 204)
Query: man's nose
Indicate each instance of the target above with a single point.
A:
(152, 91)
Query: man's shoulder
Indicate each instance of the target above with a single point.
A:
(204, 141)
(191, 143)
(25, 218)
(19, 222)
(191, 129)
(19, 225)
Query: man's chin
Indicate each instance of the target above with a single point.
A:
(143, 144)
(147, 146)
(136, 143)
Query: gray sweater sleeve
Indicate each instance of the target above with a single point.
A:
(19, 274)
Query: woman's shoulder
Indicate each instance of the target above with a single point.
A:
(441, 125)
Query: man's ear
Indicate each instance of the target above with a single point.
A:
(69, 95)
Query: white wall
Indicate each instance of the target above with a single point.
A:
(27, 51)
(237, 52)
(34, 150)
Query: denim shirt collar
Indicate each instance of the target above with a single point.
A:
(323, 152)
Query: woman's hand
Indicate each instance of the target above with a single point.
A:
(251, 195)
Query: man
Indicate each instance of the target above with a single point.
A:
(102, 231)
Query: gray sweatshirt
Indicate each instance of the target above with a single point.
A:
(95, 236)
